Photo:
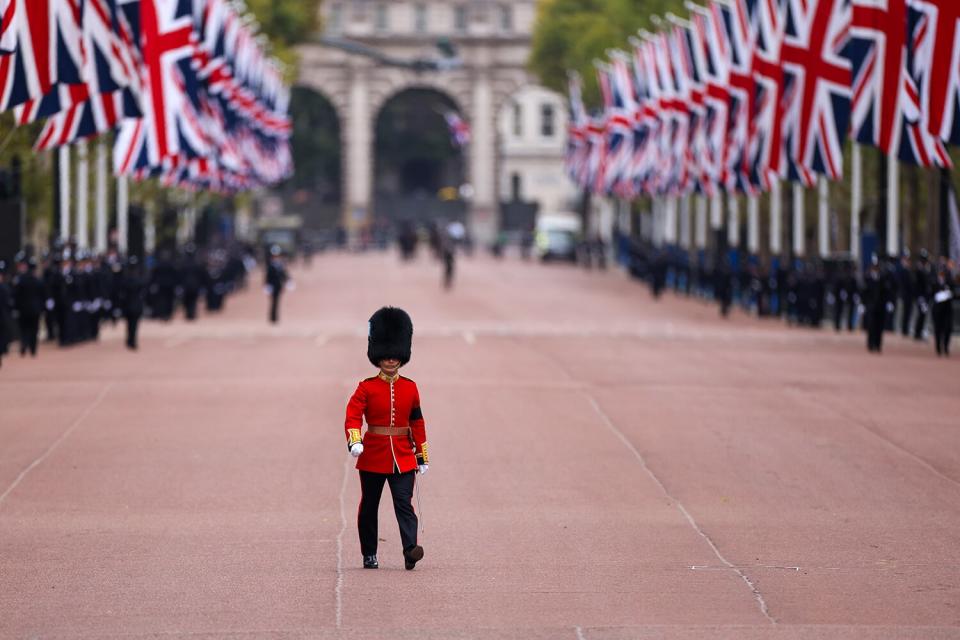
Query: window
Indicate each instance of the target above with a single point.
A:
(518, 119)
(460, 18)
(336, 17)
(420, 18)
(506, 17)
(546, 120)
(382, 23)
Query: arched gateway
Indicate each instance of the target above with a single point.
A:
(491, 38)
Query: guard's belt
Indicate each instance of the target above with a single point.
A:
(389, 431)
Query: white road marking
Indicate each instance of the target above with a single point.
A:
(469, 337)
(686, 514)
(76, 423)
(343, 528)
(321, 340)
(580, 634)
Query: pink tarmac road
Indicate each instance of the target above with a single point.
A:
(604, 467)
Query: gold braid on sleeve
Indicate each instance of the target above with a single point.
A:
(354, 437)
(423, 456)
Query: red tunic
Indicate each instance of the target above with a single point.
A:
(383, 402)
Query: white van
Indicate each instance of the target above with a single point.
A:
(557, 235)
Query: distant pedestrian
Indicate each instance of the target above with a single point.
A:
(394, 447)
(132, 293)
(875, 300)
(448, 253)
(276, 280)
(943, 293)
(6, 308)
(28, 300)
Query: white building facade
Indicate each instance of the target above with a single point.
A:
(489, 88)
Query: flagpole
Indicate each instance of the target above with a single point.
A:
(799, 221)
(63, 160)
(123, 204)
(716, 211)
(83, 192)
(101, 198)
(776, 216)
(893, 206)
(701, 221)
(685, 221)
(856, 200)
(823, 212)
(753, 224)
(733, 224)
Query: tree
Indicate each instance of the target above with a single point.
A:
(571, 34)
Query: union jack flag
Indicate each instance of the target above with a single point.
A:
(736, 32)
(765, 140)
(817, 88)
(646, 121)
(575, 157)
(712, 45)
(8, 35)
(48, 50)
(459, 129)
(617, 88)
(935, 35)
(110, 65)
(885, 101)
(689, 62)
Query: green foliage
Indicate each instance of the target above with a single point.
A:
(286, 23)
(571, 34)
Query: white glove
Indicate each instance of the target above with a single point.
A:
(356, 449)
(423, 468)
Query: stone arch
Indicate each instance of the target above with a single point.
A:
(316, 190)
(418, 171)
(391, 87)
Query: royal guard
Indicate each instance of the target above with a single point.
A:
(394, 447)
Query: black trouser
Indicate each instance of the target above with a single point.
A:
(275, 305)
(190, 304)
(908, 304)
(29, 328)
(132, 323)
(875, 325)
(921, 322)
(401, 488)
(943, 325)
(50, 319)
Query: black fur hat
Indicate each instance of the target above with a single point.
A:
(389, 336)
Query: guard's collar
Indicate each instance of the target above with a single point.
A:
(387, 378)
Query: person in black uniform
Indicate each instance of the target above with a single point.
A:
(449, 253)
(907, 290)
(51, 276)
(6, 307)
(132, 292)
(923, 280)
(943, 292)
(276, 279)
(192, 277)
(28, 299)
(163, 287)
(875, 301)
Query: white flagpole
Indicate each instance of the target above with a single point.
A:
(701, 222)
(823, 214)
(856, 200)
(671, 221)
(753, 224)
(799, 221)
(63, 158)
(122, 214)
(733, 224)
(716, 211)
(893, 206)
(685, 221)
(776, 216)
(83, 200)
(101, 198)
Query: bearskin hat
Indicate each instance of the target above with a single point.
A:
(390, 334)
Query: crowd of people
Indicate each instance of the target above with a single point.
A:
(906, 295)
(70, 293)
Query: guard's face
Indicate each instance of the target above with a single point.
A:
(390, 367)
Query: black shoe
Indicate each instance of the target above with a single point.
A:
(370, 562)
(412, 556)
